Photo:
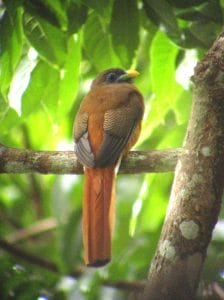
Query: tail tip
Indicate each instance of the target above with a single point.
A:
(98, 263)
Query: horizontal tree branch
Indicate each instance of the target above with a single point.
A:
(52, 267)
(14, 160)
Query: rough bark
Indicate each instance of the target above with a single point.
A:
(65, 162)
(197, 189)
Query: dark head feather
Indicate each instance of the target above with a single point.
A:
(110, 76)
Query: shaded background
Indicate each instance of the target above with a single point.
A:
(49, 53)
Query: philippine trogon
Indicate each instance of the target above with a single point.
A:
(106, 126)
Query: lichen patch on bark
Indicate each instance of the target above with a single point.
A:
(167, 250)
(206, 151)
(189, 229)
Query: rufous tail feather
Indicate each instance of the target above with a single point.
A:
(98, 215)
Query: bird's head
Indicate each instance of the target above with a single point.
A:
(114, 75)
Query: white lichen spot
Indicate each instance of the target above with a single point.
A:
(206, 151)
(167, 250)
(189, 229)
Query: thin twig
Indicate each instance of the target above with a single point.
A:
(35, 229)
(27, 256)
(218, 290)
(52, 267)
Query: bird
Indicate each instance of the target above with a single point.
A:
(107, 125)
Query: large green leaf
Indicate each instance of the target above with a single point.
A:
(124, 27)
(70, 75)
(50, 11)
(102, 7)
(42, 89)
(204, 32)
(46, 39)
(154, 199)
(51, 89)
(11, 44)
(161, 12)
(185, 3)
(163, 54)
(97, 44)
(9, 119)
(58, 9)
(210, 11)
(77, 15)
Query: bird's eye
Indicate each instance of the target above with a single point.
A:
(111, 77)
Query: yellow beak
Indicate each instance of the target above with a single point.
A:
(132, 73)
(129, 74)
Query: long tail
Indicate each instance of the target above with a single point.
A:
(98, 215)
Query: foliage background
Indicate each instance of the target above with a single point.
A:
(50, 50)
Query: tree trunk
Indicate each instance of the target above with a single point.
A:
(197, 189)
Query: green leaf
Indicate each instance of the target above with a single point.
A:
(70, 80)
(162, 69)
(101, 7)
(52, 89)
(207, 11)
(97, 44)
(161, 12)
(20, 81)
(212, 11)
(163, 54)
(9, 119)
(185, 3)
(77, 15)
(42, 89)
(124, 27)
(204, 32)
(3, 107)
(40, 9)
(11, 44)
(189, 14)
(48, 40)
(154, 201)
(57, 7)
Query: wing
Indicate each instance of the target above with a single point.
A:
(82, 146)
(111, 148)
(119, 125)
